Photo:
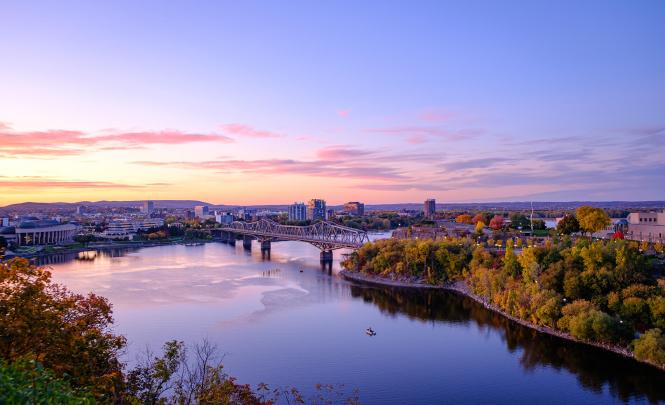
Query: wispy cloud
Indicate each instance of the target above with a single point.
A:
(336, 152)
(45, 183)
(59, 142)
(323, 168)
(420, 134)
(248, 131)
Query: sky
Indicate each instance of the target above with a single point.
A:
(260, 102)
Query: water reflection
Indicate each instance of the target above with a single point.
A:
(299, 324)
(593, 367)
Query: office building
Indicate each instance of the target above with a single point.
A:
(297, 211)
(201, 211)
(430, 208)
(148, 207)
(355, 208)
(316, 210)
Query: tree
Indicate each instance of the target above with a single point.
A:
(69, 333)
(592, 219)
(84, 239)
(463, 219)
(658, 247)
(3, 242)
(478, 218)
(568, 225)
(28, 382)
(651, 347)
(497, 222)
(479, 227)
(518, 220)
(539, 224)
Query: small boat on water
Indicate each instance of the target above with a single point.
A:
(370, 332)
(301, 270)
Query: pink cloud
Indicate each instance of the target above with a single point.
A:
(38, 183)
(70, 142)
(340, 152)
(436, 115)
(343, 113)
(247, 131)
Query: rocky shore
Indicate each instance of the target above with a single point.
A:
(461, 287)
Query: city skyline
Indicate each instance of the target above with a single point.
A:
(256, 103)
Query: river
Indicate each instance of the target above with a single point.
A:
(278, 325)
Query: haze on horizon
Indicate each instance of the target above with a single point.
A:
(258, 102)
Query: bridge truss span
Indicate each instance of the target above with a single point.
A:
(324, 235)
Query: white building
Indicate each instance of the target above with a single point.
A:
(120, 230)
(646, 226)
(297, 211)
(223, 217)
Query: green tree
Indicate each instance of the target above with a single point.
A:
(518, 220)
(568, 225)
(592, 219)
(651, 347)
(28, 382)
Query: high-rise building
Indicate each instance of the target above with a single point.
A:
(148, 207)
(297, 211)
(201, 211)
(316, 210)
(430, 208)
(355, 208)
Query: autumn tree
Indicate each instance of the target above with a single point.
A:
(592, 219)
(463, 219)
(497, 222)
(479, 227)
(651, 347)
(478, 218)
(69, 333)
(568, 225)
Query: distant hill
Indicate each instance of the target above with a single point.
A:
(37, 206)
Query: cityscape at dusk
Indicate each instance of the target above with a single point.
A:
(278, 203)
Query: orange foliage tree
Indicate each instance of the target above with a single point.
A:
(69, 333)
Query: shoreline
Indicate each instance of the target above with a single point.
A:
(102, 246)
(461, 288)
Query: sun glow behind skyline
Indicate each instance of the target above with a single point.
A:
(256, 103)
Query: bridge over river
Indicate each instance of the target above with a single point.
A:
(324, 235)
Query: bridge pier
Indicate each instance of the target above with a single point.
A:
(265, 249)
(326, 256)
(247, 242)
(231, 238)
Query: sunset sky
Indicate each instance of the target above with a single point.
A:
(245, 102)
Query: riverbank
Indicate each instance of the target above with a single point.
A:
(462, 288)
(104, 246)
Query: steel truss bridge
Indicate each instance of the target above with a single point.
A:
(324, 235)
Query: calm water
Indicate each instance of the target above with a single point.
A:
(283, 327)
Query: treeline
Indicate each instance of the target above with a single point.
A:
(59, 347)
(600, 291)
